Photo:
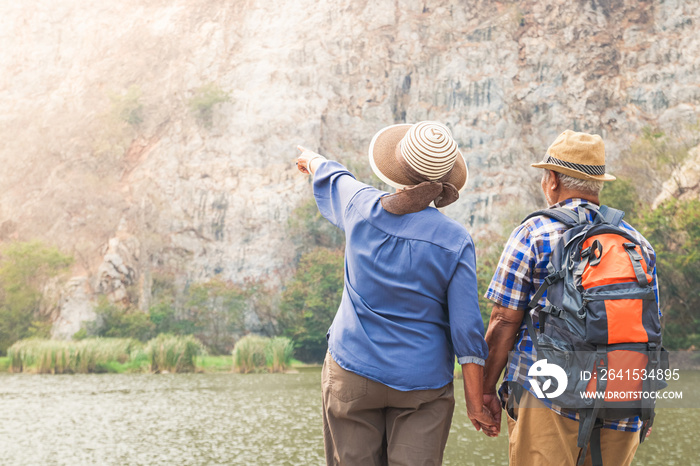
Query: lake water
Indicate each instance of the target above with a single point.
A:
(254, 419)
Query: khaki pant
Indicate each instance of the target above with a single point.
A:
(540, 437)
(368, 423)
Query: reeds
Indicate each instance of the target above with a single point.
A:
(169, 353)
(95, 355)
(69, 357)
(279, 352)
(249, 354)
(253, 353)
(165, 353)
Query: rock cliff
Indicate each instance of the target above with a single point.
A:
(104, 155)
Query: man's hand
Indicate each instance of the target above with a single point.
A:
(485, 421)
(308, 160)
(478, 413)
(500, 337)
(493, 404)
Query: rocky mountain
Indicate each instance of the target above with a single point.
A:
(158, 136)
(684, 182)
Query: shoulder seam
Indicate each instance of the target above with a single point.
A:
(454, 251)
(352, 199)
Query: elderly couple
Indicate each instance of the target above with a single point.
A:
(410, 305)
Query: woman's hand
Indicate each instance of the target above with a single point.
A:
(493, 404)
(484, 421)
(308, 160)
(483, 416)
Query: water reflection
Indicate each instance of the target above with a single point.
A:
(223, 419)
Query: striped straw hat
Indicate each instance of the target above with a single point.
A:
(406, 155)
(580, 155)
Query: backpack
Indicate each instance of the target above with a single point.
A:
(600, 324)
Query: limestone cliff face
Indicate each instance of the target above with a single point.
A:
(98, 131)
(684, 183)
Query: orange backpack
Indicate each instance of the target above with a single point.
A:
(600, 324)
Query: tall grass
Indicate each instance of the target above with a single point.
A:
(253, 353)
(164, 353)
(169, 353)
(279, 352)
(249, 354)
(69, 357)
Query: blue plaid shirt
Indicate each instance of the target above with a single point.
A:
(520, 272)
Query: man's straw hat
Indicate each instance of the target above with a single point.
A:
(579, 155)
(406, 155)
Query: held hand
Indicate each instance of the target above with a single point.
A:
(484, 421)
(493, 404)
(478, 412)
(304, 158)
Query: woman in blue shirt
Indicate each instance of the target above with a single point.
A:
(409, 302)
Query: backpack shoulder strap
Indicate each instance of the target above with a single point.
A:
(565, 216)
(611, 215)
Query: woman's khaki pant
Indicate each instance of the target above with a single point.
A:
(368, 423)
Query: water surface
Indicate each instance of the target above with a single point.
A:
(274, 419)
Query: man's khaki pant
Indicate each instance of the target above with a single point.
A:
(541, 437)
(368, 423)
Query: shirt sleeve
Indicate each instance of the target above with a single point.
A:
(511, 284)
(334, 188)
(466, 326)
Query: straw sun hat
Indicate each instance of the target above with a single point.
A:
(580, 155)
(427, 147)
(422, 157)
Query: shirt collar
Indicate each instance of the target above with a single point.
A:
(572, 202)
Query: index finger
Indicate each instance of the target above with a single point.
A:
(300, 148)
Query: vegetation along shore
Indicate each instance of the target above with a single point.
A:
(163, 354)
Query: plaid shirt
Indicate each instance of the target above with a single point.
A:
(520, 272)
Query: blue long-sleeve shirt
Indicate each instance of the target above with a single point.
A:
(410, 299)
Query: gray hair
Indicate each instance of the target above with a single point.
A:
(576, 184)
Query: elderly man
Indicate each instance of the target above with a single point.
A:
(409, 302)
(574, 173)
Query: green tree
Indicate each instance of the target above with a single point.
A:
(621, 194)
(654, 158)
(167, 319)
(488, 252)
(217, 311)
(264, 304)
(165, 313)
(25, 269)
(116, 321)
(311, 300)
(213, 311)
(674, 231)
